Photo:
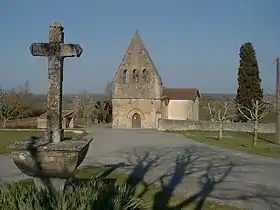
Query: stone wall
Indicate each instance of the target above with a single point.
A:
(180, 125)
(66, 123)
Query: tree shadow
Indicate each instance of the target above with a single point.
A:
(142, 167)
(187, 163)
(111, 169)
(186, 166)
(190, 165)
(208, 184)
(261, 138)
(82, 182)
(163, 196)
(212, 138)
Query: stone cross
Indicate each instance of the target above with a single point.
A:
(55, 51)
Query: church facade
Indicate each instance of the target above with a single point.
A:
(139, 98)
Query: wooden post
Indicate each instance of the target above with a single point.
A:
(277, 125)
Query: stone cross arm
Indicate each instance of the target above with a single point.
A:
(61, 50)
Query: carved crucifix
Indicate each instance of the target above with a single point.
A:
(55, 51)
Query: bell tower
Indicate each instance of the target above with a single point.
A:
(137, 76)
(137, 88)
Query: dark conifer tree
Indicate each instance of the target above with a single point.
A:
(249, 81)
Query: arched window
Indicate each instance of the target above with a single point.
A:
(125, 76)
(135, 76)
(145, 75)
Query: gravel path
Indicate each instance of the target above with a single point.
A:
(186, 166)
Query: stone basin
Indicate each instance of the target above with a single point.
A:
(39, 158)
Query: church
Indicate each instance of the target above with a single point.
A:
(139, 98)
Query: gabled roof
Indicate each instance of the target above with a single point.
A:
(136, 40)
(180, 93)
(65, 113)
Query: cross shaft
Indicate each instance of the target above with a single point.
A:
(55, 51)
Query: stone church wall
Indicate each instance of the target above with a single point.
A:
(181, 125)
(123, 110)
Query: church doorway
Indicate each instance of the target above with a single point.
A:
(136, 121)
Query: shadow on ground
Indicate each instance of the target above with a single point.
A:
(208, 177)
(261, 138)
(209, 180)
(168, 182)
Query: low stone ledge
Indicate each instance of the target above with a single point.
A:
(78, 131)
(40, 144)
(186, 125)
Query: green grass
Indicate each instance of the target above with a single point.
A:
(148, 194)
(238, 141)
(9, 137)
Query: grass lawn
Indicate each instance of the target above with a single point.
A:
(238, 141)
(8, 137)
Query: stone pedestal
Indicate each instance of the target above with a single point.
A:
(50, 164)
(50, 184)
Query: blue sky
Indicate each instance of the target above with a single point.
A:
(193, 43)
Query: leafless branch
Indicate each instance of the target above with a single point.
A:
(84, 107)
(221, 111)
(255, 113)
(258, 110)
(103, 110)
(11, 106)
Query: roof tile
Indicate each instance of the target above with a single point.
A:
(181, 93)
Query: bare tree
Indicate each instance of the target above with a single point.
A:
(108, 90)
(220, 112)
(276, 111)
(10, 106)
(26, 98)
(25, 88)
(103, 110)
(255, 114)
(84, 107)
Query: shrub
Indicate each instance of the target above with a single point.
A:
(95, 194)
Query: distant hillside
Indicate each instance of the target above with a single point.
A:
(230, 96)
(99, 96)
(69, 97)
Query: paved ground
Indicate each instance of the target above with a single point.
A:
(184, 165)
